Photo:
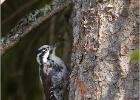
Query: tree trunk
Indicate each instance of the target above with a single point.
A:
(104, 35)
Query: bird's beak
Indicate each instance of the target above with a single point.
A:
(55, 45)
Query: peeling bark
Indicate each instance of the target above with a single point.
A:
(104, 35)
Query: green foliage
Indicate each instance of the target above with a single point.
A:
(135, 55)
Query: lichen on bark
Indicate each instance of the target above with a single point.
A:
(31, 21)
(103, 38)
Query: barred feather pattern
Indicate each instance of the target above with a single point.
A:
(53, 75)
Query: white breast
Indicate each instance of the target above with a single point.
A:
(45, 57)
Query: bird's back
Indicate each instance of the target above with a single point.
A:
(53, 77)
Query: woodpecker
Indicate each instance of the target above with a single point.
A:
(53, 72)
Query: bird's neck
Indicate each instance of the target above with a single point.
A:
(54, 57)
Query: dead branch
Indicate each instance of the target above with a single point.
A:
(30, 21)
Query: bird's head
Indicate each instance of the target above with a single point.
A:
(45, 52)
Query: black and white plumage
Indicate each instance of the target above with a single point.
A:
(53, 72)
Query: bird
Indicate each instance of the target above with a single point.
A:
(52, 71)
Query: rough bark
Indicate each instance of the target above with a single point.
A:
(104, 35)
(31, 21)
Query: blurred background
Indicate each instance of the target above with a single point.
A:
(19, 68)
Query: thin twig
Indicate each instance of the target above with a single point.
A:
(18, 11)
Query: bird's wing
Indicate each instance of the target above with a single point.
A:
(47, 84)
